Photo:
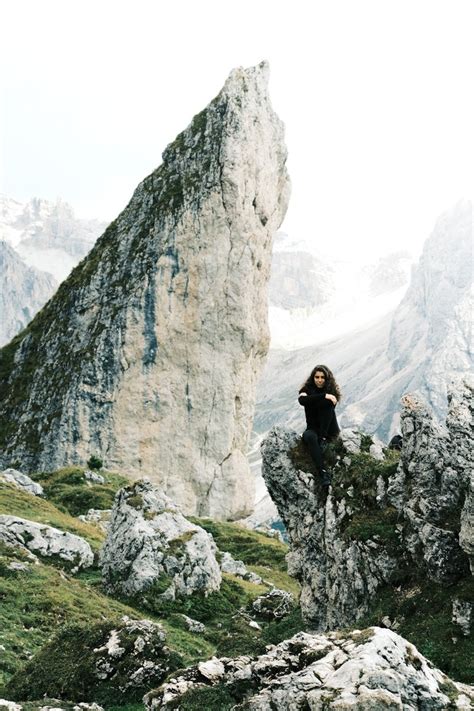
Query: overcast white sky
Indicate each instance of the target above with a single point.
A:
(376, 95)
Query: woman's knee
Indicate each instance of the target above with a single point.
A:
(310, 436)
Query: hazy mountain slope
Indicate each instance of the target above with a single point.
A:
(47, 235)
(425, 343)
(23, 291)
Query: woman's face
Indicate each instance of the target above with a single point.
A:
(319, 379)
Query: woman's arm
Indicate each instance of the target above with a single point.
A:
(305, 399)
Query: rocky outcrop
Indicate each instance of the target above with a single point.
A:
(370, 669)
(46, 541)
(105, 662)
(21, 481)
(149, 542)
(23, 291)
(149, 352)
(379, 520)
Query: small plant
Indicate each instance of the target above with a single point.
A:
(95, 463)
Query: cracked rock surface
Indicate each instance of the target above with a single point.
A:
(149, 353)
(21, 481)
(46, 541)
(372, 669)
(149, 541)
(418, 518)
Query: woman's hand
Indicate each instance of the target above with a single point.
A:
(333, 398)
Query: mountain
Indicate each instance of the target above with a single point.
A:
(313, 298)
(424, 344)
(46, 234)
(148, 354)
(23, 291)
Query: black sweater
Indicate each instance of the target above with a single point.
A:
(317, 408)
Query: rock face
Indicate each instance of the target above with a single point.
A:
(21, 481)
(149, 353)
(23, 291)
(373, 669)
(384, 520)
(46, 541)
(149, 542)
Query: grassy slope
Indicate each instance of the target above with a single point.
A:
(39, 601)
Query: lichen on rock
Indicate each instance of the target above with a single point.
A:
(368, 669)
(151, 544)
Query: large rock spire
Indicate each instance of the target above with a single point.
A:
(149, 352)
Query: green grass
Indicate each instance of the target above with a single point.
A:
(15, 502)
(262, 554)
(66, 666)
(423, 609)
(37, 602)
(70, 491)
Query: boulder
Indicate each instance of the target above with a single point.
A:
(115, 661)
(274, 605)
(21, 481)
(47, 541)
(370, 669)
(101, 517)
(150, 543)
(229, 565)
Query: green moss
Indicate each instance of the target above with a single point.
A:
(366, 442)
(136, 501)
(423, 611)
(176, 545)
(66, 667)
(374, 524)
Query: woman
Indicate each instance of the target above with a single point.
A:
(319, 396)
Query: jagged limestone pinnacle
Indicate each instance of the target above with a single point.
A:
(149, 352)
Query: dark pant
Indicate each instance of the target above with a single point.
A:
(326, 427)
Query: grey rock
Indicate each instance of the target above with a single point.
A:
(376, 451)
(374, 669)
(21, 481)
(229, 565)
(427, 497)
(21, 567)
(462, 615)
(351, 439)
(318, 550)
(150, 351)
(9, 705)
(275, 604)
(194, 625)
(99, 516)
(466, 535)
(23, 291)
(149, 540)
(46, 541)
(138, 665)
(94, 477)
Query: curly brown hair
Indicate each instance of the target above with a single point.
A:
(330, 385)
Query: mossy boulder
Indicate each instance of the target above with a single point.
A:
(106, 663)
